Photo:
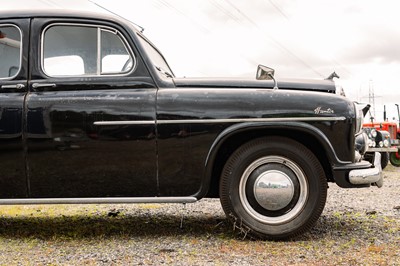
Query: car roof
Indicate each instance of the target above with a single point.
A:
(60, 13)
(68, 13)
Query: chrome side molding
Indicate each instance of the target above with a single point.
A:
(220, 121)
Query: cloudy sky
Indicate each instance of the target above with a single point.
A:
(359, 39)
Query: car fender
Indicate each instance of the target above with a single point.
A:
(241, 128)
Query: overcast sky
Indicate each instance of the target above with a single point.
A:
(360, 40)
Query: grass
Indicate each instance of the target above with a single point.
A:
(54, 233)
(151, 234)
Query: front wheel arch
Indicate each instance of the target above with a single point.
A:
(228, 142)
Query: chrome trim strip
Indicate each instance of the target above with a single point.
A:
(244, 120)
(98, 63)
(114, 123)
(98, 200)
(219, 121)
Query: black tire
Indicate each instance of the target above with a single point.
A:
(289, 204)
(395, 159)
(384, 159)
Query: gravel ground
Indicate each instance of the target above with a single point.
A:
(357, 227)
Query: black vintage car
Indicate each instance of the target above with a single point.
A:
(90, 112)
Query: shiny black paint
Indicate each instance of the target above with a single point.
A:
(12, 159)
(81, 159)
(191, 144)
(13, 183)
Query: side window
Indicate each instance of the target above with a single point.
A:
(69, 50)
(114, 56)
(10, 51)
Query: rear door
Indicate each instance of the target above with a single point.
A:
(13, 85)
(90, 113)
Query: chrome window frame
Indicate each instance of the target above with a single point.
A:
(98, 71)
(20, 50)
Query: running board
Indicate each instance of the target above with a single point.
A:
(113, 200)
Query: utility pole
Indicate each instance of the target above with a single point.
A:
(371, 97)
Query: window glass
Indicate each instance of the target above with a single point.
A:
(10, 51)
(84, 50)
(64, 65)
(114, 56)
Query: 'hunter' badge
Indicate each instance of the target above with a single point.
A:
(319, 111)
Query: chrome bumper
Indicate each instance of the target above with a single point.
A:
(371, 176)
(388, 149)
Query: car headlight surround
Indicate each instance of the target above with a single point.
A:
(362, 143)
(360, 112)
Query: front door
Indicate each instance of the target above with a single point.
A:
(90, 113)
(13, 85)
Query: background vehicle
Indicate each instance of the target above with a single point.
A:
(394, 132)
(379, 141)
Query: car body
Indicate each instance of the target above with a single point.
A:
(92, 113)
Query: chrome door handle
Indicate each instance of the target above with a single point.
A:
(43, 85)
(14, 86)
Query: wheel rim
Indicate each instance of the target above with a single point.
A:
(273, 190)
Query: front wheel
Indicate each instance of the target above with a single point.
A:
(273, 188)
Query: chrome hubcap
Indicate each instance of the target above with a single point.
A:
(273, 190)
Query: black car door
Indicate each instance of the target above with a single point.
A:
(13, 85)
(90, 113)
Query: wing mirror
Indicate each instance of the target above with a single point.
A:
(266, 73)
